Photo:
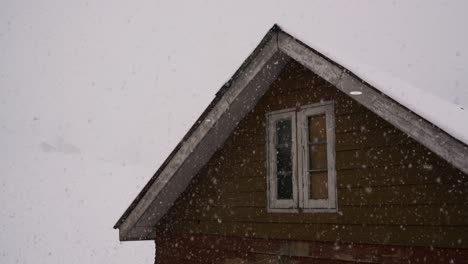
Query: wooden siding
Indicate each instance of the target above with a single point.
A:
(391, 190)
(196, 248)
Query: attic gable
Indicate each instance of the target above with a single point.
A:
(238, 97)
(384, 178)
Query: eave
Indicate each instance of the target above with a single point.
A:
(237, 97)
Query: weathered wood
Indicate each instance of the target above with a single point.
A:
(421, 130)
(269, 251)
(311, 60)
(311, 96)
(294, 89)
(414, 215)
(354, 136)
(201, 255)
(362, 196)
(389, 175)
(437, 236)
(254, 180)
(251, 130)
(247, 160)
(385, 179)
(243, 94)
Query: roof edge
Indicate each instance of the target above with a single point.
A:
(428, 134)
(270, 34)
(442, 143)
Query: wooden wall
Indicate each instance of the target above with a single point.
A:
(199, 248)
(391, 190)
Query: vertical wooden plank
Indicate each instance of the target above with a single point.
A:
(330, 119)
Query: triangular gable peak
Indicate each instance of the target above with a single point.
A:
(238, 97)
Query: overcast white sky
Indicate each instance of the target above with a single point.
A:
(95, 94)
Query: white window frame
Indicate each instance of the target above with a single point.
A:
(300, 152)
(274, 203)
(316, 205)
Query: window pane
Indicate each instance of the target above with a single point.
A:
(318, 156)
(318, 167)
(318, 185)
(285, 185)
(284, 159)
(283, 132)
(317, 128)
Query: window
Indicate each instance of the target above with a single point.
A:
(301, 159)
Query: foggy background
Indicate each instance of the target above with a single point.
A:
(94, 95)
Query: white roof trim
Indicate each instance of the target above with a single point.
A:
(244, 92)
(426, 133)
(247, 87)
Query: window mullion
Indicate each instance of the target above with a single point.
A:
(295, 160)
(302, 161)
(331, 155)
(274, 201)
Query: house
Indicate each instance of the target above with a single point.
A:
(298, 160)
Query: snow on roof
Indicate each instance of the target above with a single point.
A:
(450, 116)
(237, 97)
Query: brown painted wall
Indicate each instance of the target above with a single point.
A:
(391, 190)
(197, 248)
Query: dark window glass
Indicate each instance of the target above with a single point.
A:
(284, 159)
(283, 132)
(285, 185)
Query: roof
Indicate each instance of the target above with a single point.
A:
(219, 94)
(240, 94)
